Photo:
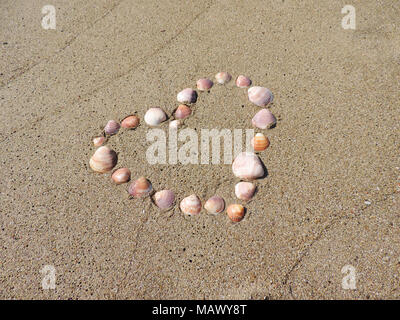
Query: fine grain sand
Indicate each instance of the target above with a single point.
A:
(335, 147)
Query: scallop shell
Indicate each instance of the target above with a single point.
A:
(247, 165)
(121, 175)
(98, 141)
(243, 82)
(164, 199)
(214, 205)
(130, 122)
(140, 188)
(204, 84)
(111, 127)
(263, 119)
(154, 116)
(245, 190)
(260, 142)
(182, 112)
(235, 212)
(191, 205)
(223, 77)
(187, 95)
(175, 124)
(103, 160)
(260, 96)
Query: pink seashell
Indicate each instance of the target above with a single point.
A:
(260, 96)
(187, 95)
(175, 124)
(245, 190)
(111, 127)
(154, 116)
(263, 119)
(215, 205)
(243, 82)
(103, 160)
(191, 205)
(204, 84)
(164, 199)
(223, 77)
(130, 122)
(121, 175)
(98, 141)
(182, 112)
(247, 165)
(140, 188)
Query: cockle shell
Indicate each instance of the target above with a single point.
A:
(140, 188)
(98, 141)
(263, 119)
(245, 190)
(223, 77)
(187, 95)
(260, 142)
(204, 84)
(130, 122)
(191, 205)
(214, 205)
(243, 82)
(247, 165)
(260, 96)
(235, 212)
(103, 160)
(175, 124)
(154, 116)
(121, 175)
(182, 112)
(164, 199)
(111, 127)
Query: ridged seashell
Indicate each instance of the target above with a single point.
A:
(98, 141)
(223, 77)
(182, 112)
(130, 122)
(260, 142)
(187, 95)
(175, 124)
(204, 84)
(164, 199)
(263, 119)
(154, 116)
(245, 190)
(112, 127)
(243, 82)
(235, 212)
(191, 205)
(247, 165)
(121, 175)
(215, 205)
(103, 160)
(260, 96)
(140, 188)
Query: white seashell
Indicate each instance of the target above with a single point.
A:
(260, 96)
(121, 175)
(204, 84)
(164, 199)
(140, 188)
(98, 141)
(154, 116)
(245, 190)
(187, 95)
(263, 119)
(247, 165)
(111, 127)
(215, 205)
(243, 82)
(223, 77)
(191, 205)
(103, 160)
(175, 124)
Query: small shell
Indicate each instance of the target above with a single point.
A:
(98, 141)
(260, 142)
(164, 199)
(245, 190)
(247, 166)
(182, 112)
(235, 212)
(243, 82)
(140, 188)
(121, 175)
(263, 119)
(175, 124)
(111, 127)
(154, 116)
(130, 122)
(260, 96)
(204, 84)
(187, 95)
(223, 77)
(191, 205)
(215, 205)
(103, 160)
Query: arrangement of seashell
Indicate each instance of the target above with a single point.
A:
(246, 166)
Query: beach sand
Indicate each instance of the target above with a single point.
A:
(331, 197)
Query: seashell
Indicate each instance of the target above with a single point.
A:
(235, 212)
(98, 141)
(175, 124)
(164, 199)
(130, 122)
(121, 175)
(140, 188)
(245, 190)
(154, 116)
(204, 84)
(263, 119)
(247, 165)
(215, 205)
(103, 160)
(223, 77)
(187, 95)
(260, 96)
(191, 205)
(111, 127)
(182, 112)
(243, 82)
(260, 142)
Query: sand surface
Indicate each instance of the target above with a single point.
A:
(335, 147)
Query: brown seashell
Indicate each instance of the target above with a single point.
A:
(260, 142)
(243, 82)
(140, 188)
(111, 127)
(204, 84)
(235, 212)
(215, 205)
(182, 112)
(164, 199)
(103, 160)
(245, 190)
(191, 205)
(121, 175)
(130, 122)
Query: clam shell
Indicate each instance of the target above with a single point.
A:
(140, 188)
(260, 142)
(235, 212)
(98, 141)
(191, 205)
(164, 199)
(103, 160)
(214, 205)
(111, 127)
(248, 166)
(204, 84)
(245, 190)
(263, 119)
(154, 116)
(187, 95)
(243, 82)
(260, 96)
(130, 122)
(182, 112)
(223, 77)
(175, 124)
(121, 175)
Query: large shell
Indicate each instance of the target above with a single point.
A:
(245, 190)
(164, 199)
(260, 142)
(111, 127)
(130, 122)
(247, 165)
(235, 212)
(140, 188)
(260, 96)
(121, 175)
(103, 160)
(182, 112)
(215, 205)
(263, 119)
(243, 82)
(187, 95)
(204, 84)
(191, 205)
(154, 116)
(223, 77)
